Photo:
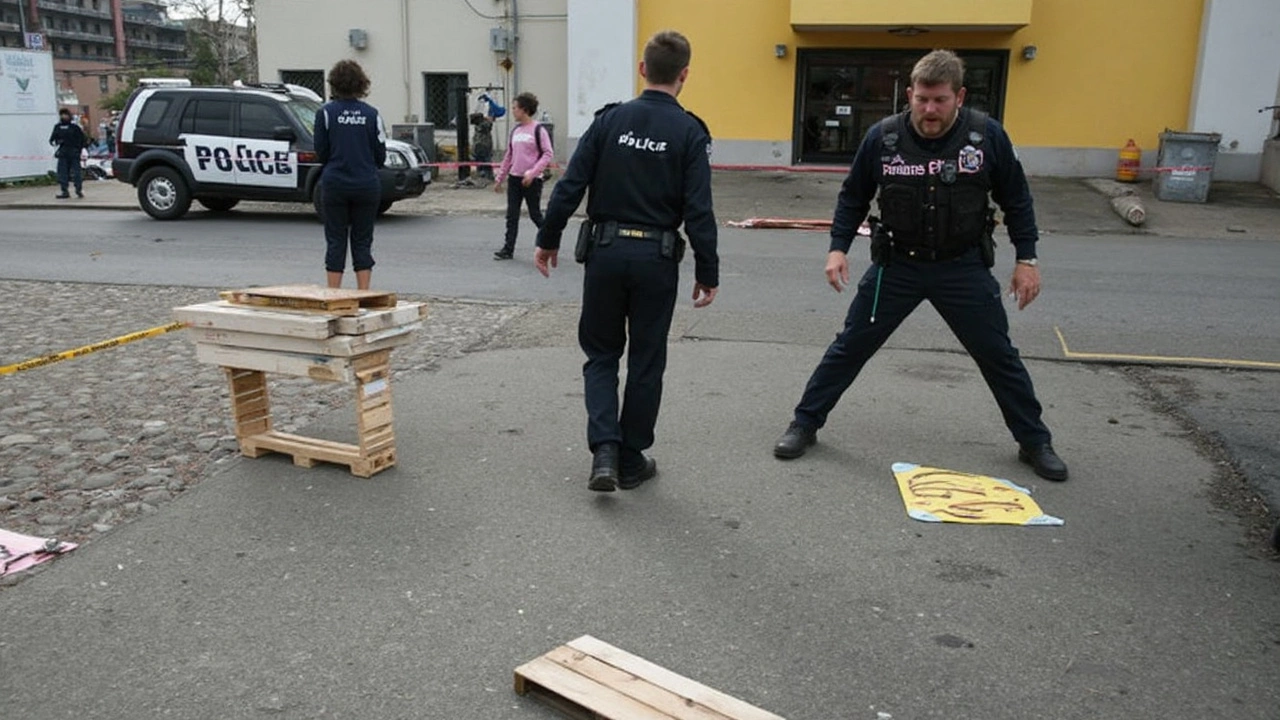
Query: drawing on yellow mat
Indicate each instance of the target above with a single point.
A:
(938, 495)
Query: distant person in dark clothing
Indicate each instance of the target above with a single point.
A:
(69, 139)
(482, 144)
(351, 143)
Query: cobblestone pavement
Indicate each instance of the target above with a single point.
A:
(89, 443)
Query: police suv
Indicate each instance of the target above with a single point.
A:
(220, 145)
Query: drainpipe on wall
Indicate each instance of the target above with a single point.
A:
(404, 57)
(515, 45)
(117, 19)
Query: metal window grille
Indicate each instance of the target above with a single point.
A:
(310, 79)
(441, 97)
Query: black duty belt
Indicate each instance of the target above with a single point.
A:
(928, 254)
(632, 232)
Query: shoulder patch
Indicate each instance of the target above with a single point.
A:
(702, 124)
(607, 108)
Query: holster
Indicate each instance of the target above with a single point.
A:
(881, 242)
(987, 245)
(586, 240)
(672, 246)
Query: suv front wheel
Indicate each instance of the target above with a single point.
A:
(163, 194)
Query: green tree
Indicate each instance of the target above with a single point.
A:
(204, 61)
(117, 99)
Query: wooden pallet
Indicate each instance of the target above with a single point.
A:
(592, 680)
(376, 449)
(311, 298)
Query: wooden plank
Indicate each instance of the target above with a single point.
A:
(222, 315)
(368, 321)
(376, 418)
(659, 698)
(316, 367)
(658, 675)
(339, 301)
(336, 345)
(582, 691)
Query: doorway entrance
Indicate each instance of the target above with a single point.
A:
(840, 94)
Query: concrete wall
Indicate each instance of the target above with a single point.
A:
(1237, 72)
(409, 38)
(603, 58)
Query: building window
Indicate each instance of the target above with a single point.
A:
(313, 80)
(104, 87)
(441, 97)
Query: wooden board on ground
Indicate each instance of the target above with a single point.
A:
(312, 298)
(337, 346)
(222, 315)
(306, 452)
(316, 367)
(591, 679)
(368, 321)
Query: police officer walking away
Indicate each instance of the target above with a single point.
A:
(646, 162)
(935, 166)
(69, 139)
(351, 143)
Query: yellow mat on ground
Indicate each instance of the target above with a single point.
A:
(937, 495)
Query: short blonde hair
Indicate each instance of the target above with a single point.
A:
(939, 66)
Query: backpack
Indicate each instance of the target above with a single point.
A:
(537, 138)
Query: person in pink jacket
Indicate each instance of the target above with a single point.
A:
(528, 154)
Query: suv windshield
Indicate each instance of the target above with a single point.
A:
(305, 110)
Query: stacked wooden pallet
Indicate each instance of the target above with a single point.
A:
(307, 331)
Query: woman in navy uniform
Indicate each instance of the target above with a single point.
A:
(351, 143)
(646, 162)
(935, 167)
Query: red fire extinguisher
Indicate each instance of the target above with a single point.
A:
(1129, 162)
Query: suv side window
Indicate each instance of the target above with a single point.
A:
(259, 121)
(153, 113)
(207, 117)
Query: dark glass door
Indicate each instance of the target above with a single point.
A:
(842, 93)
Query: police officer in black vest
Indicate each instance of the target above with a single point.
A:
(646, 163)
(935, 166)
(69, 139)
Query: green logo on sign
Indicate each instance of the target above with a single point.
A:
(23, 83)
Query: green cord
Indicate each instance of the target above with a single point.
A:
(876, 302)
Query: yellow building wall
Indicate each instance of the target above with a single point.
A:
(1105, 70)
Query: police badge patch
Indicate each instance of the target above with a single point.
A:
(970, 159)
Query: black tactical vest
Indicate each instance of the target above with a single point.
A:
(936, 201)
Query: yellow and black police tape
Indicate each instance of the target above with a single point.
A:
(85, 350)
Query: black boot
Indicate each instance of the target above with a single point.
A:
(634, 477)
(604, 468)
(1044, 461)
(795, 441)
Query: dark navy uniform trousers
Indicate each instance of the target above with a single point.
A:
(967, 296)
(628, 297)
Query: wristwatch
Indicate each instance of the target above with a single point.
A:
(1028, 261)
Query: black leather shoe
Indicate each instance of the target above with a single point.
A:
(61, 196)
(1044, 461)
(633, 480)
(504, 254)
(795, 441)
(604, 468)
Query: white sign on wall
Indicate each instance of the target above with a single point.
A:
(26, 83)
(28, 112)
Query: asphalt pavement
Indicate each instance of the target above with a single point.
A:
(802, 587)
